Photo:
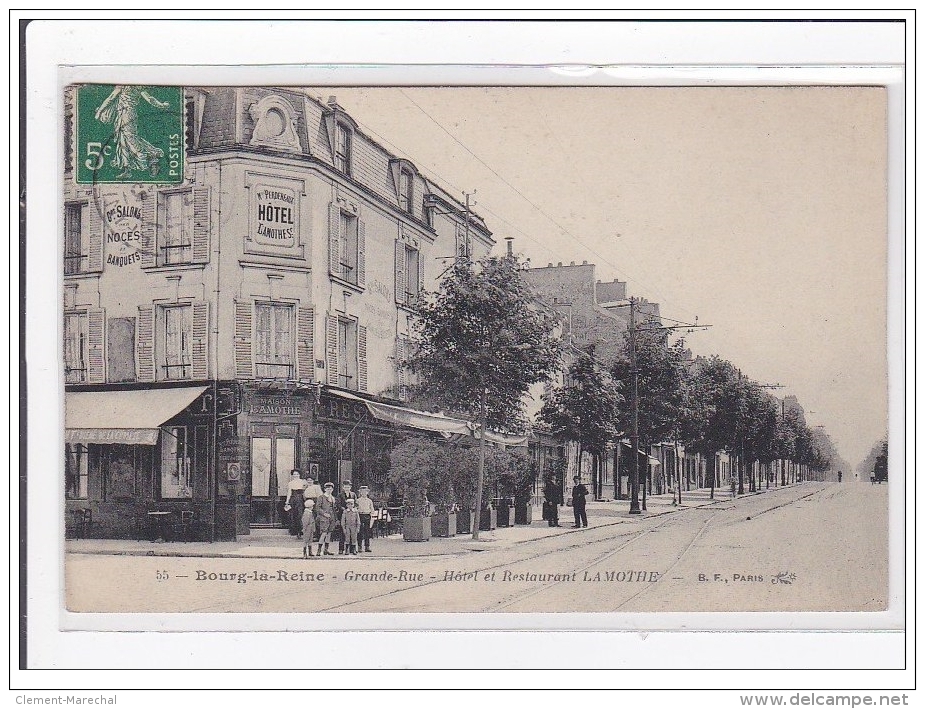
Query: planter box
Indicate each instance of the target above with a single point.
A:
(443, 525)
(523, 514)
(505, 516)
(416, 529)
(489, 520)
(464, 522)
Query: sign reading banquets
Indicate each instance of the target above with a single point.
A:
(276, 216)
(123, 226)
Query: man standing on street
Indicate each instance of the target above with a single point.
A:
(579, 493)
(552, 493)
(346, 494)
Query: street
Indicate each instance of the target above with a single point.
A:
(808, 547)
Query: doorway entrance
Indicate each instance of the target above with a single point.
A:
(273, 456)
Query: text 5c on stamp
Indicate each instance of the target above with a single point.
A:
(129, 134)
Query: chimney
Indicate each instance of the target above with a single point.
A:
(510, 245)
(332, 102)
(584, 263)
(572, 263)
(560, 263)
(550, 265)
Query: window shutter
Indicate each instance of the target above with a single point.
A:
(144, 344)
(362, 372)
(243, 332)
(201, 224)
(96, 352)
(420, 272)
(399, 272)
(95, 235)
(361, 253)
(401, 353)
(334, 240)
(200, 350)
(330, 330)
(305, 345)
(149, 230)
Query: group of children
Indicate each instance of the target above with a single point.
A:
(324, 514)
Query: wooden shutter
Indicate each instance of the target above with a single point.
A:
(201, 224)
(399, 272)
(420, 273)
(96, 346)
(200, 351)
(144, 344)
(362, 371)
(95, 235)
(305, 344)
(243, 334)
(330, 333)
(149, 229)
(401, 353)
(361, 253)
(334, 241)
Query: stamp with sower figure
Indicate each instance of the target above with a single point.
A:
(129, 134)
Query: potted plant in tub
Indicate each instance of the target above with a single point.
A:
(411, 464)
(523, 492)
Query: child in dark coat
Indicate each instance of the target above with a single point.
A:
(350, 523)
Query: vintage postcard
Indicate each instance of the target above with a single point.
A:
(607, 350)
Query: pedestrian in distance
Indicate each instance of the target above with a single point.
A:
(366, 508)
(345, 494)
(579, 494)
(325, 518)
(350, 523)
(308, 528)
(552, 495)
(295, 503)
(839, 476)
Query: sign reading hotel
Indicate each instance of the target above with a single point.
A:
(275, 216)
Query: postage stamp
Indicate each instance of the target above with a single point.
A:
(129, 134)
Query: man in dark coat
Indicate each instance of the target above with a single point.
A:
(552, 493)
(579, 493)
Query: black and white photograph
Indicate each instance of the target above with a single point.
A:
(450, 349)
(475, 349)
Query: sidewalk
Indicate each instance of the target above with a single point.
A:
(277, 544)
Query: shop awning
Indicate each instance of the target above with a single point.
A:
(129, 417)
(446, 426)
(423, 420)
(652, 459)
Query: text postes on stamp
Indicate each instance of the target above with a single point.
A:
(129, 134)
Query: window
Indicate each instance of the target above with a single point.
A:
(347, 354)
(406, 191)
(273, 355)
(408, 276)
(342, 146)
(176, 462)
(177, 334)
(348, 231)
(76, 471)
(75, 348)
(75, 242)
(176, 218)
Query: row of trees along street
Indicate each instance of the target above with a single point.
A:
(483, 340)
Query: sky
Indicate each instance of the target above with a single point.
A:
(760, 211)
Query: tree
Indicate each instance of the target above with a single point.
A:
(713, 403)
(480, 342)
(586, 408)
(662, 398)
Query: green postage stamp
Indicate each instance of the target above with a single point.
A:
(129, 134)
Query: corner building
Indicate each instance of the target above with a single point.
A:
(221, 332)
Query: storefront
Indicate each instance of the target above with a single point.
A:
(133, 451)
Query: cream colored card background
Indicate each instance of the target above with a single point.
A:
(44, 575)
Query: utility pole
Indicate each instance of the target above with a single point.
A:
(634, 439)
(466, 253)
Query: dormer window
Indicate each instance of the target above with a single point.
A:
(406, 191)
(343, 140)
